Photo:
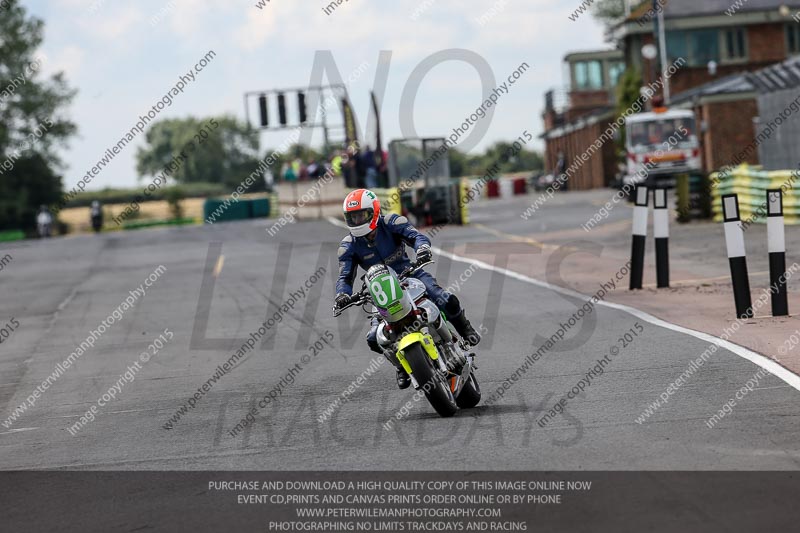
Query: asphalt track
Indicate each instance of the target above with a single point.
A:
(62, 289)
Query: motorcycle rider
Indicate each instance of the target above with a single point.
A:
(96, 216)
(44, 222)
(376, 239)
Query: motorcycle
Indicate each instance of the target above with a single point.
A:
(44, 229)
(416, 334)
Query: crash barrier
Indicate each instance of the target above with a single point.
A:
(465, 197)
(442, 204)
(734, 241)
(217, 210)
(142, 224)
(12, 235)
(750, 185)
(506, 187)
(390, 200)
(493, 189)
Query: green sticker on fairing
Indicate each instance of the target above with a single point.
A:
(386, 292)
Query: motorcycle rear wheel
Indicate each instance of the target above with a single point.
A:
(436, 390)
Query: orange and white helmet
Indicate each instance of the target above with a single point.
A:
(362, 209)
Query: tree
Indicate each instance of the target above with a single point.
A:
(609, 11)
(498, 154)
(31, 183)
(191, 150)
(628, 91)
(174, 196)
(32, 121)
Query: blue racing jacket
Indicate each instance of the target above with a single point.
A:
(394, 232)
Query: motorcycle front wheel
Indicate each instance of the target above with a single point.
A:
(436, 390)
(470, 395)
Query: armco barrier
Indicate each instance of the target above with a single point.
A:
(751, 184)
(12, 235)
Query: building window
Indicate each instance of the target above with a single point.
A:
(677, 46)
(588, 76)
(697, 47)
(793, 38)
(704, 46)
(615, 70)
(734, 45)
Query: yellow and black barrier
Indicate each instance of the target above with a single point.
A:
(391, 201)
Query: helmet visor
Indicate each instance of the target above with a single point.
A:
(358, 218)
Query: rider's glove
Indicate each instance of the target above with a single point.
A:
(424, 254)
(342, 300)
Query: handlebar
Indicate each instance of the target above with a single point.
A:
(361, 296)
(413, 267)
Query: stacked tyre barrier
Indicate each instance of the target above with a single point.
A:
(751, 184)
(506, 187)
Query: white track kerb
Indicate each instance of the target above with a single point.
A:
(745, 353)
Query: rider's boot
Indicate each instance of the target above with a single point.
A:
(403, 379)
(465, 329)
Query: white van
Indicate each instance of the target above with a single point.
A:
(661, 144)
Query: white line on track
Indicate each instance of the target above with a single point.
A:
(745, 353)
(17, 430)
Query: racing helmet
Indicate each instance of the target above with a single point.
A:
(362, 209)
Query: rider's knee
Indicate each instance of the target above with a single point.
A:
(452, 305)
(372, 339)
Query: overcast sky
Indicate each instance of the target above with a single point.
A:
(124, 55)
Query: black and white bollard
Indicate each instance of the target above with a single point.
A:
(734, 240)
(639, 236)
(777, 252)
(661, 233)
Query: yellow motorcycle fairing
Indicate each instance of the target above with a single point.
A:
(411, 339)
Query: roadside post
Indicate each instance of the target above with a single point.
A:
(639, 236)
(777, 252)
(661, 233)
(734, 241)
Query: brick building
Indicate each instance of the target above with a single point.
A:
(758, 34)
(575, 116)
(719, 50)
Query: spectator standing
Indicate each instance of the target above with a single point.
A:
(368, 168)
(290, 176)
